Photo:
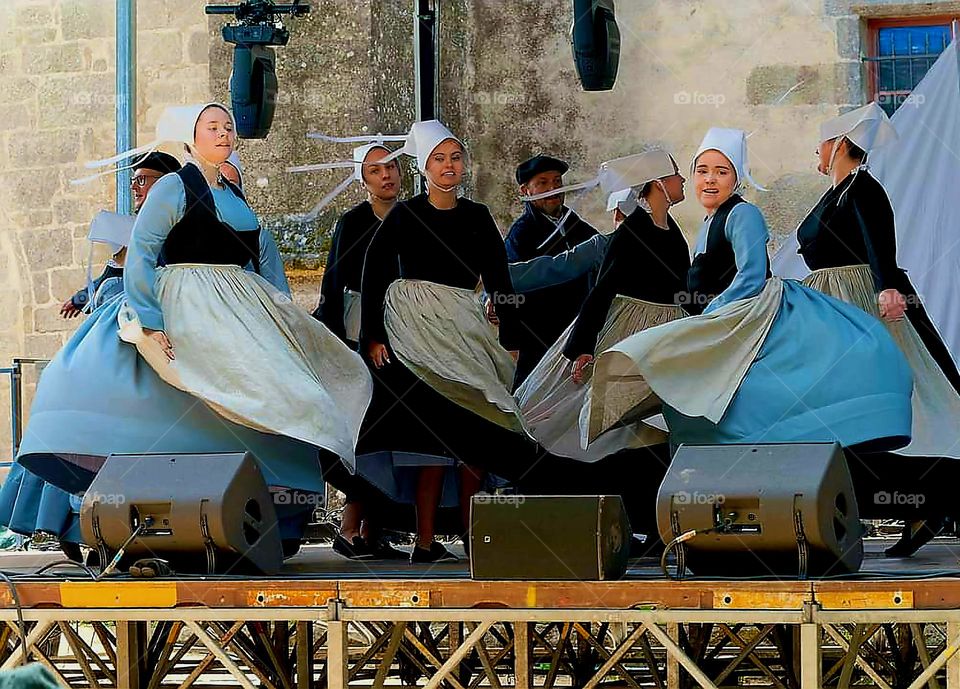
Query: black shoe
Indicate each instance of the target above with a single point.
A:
(914, 536)
(382, 550)
(436, 553)
(357, 550)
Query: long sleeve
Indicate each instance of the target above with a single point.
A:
(593, 313)
(271, 264)
(747, 231)
(80, 297)
(874, 214)
(162, 210)
(520, 241)
(497, 282)
(380, 268)
(547, 271)
(330, 309)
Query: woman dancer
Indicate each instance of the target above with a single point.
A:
(641, 281)
(849, 241)
(272, 380)
(422, 318)
(768, 360)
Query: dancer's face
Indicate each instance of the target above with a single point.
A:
(141, 183)
(540, 183)
(381, 180)
(674, 186)
(445, 164)
(714, 179)
(213, 137)
(823, 156)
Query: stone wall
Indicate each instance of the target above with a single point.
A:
(57, 81)
(508, 87)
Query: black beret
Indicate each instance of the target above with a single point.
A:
(159, 161)
(529, 169)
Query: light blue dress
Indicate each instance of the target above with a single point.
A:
(99, 397)
(826, 372)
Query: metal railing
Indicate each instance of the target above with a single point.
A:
(15, 371)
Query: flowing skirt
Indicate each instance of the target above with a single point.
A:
(788, 365)
(446, 395)
(442, 335)
(936, 404)
(99, 396)
(29, 504)
(256, 358)
(555, 410)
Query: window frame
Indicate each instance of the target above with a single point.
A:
(875, 24)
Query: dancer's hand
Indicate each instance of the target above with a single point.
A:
(68, 310)
(378, 354)
(160, 338)
(579, 364)
(892, 305)
(492, 312)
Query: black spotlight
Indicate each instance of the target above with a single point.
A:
(253, 84)
(596, 44)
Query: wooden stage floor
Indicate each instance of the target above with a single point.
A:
(327, 622)
(929, 580)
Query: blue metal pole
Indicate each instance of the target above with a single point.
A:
(126, 94)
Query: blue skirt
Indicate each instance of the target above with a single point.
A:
(29, 504)
(826, 372)
(98, 397)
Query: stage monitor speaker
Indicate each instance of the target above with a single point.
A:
(596, 44)
(565, 538)
(202, 512)
(782, 509)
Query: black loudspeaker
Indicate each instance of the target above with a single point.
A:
(596, 44)
(253, 90)
(566, 538)
(202, 512)
(782, 509)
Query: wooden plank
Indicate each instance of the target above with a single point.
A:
(953, 645)
(131, 649)
(207, 661)
(674, 650)
(488, 667)
(613, 660)
(221, 655)
(853, 653)
(810, 656)
(756, 600)
(304, 636)
(456, 656)
(521, 653)
(337, 655)
(420, 646)
(953, 663)
(673, 665)
(396, 636)
(79, 654)
(866, 600)
(127, 594)
(920, 642)
(865, 666)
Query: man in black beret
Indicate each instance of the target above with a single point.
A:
(545, 313)
(146, 172)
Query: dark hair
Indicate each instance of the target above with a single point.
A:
(855, 151)
(647, 188)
